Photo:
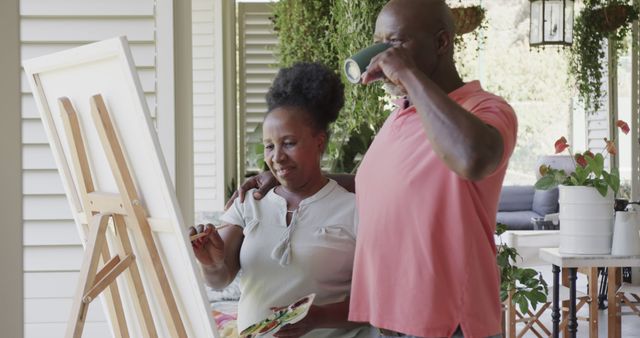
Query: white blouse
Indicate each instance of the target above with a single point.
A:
(281, 263)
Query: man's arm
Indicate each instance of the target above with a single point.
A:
(469, 147)
(466, 144)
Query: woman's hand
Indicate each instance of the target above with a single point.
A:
(311, 321)
(209, 250)
(264, 181)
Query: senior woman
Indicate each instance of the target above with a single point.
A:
(300, 238)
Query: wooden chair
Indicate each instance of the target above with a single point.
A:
(627, 296)
(532, 318)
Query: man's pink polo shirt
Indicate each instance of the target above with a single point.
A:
(425, 256)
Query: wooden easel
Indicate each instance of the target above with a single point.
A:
(126, 213)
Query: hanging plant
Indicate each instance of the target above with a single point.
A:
(467, 19)
(600, 19)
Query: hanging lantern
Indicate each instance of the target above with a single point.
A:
(551, 22)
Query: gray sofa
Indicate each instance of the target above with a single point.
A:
(519, 204)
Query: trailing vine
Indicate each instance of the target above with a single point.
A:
(600, 19)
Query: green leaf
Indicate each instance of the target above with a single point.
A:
(503, 260)
(581, 174)
(599, 166)
(504, 295)
(538, 296)
(528, 273)
(592, 166)
(574, 181)
(601, 186)
(500, 228)
(523, 304)
(546, 182)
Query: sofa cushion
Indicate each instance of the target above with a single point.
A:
(517, 220)
(516, 197)
(545, 201)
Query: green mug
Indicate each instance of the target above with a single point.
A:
(357, 64)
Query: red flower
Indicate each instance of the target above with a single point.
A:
(589, 153)
(611, 147)
(581, 161)
(561, 145)
(623, 126)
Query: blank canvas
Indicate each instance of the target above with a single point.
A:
(107, 68)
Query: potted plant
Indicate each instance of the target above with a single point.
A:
(598, 20)
(467, 19)
(586, 198)
(520, 286)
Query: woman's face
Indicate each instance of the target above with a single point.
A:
(292, 148)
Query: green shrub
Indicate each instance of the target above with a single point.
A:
(329, 31)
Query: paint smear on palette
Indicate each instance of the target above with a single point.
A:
(289, 315)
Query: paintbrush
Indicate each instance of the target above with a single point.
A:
(202, 234)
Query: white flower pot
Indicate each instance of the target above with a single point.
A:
(626, 241)
(586, 220)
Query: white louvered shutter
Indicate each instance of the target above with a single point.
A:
(207, 186)
(257, 67)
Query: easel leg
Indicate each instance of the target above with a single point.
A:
(150, 255)
(140, 301)
(92, 254)
(113, 299)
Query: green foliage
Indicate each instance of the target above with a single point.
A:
(587, 55)
(527, 285)
(329, 31)
(304, 31)
(363, 114)
(590, 174)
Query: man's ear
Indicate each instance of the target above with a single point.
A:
(444, 40)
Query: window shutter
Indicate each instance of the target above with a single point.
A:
(257, 67)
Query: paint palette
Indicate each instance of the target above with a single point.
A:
(288, 315)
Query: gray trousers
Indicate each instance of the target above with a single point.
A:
(457, 334)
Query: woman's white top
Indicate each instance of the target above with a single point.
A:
(281, 263)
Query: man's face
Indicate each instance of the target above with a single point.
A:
(400, 28)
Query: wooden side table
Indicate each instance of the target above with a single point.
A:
(572, 262)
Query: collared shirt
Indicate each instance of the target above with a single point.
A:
(425, 256)
(319, 242)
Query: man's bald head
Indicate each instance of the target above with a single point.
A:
(425, 30)
(434, 14)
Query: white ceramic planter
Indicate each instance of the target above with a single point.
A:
(626, 240)
(586, 220)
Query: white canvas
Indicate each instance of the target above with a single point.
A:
(107, 68)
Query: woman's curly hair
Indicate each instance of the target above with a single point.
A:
(312, 87)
